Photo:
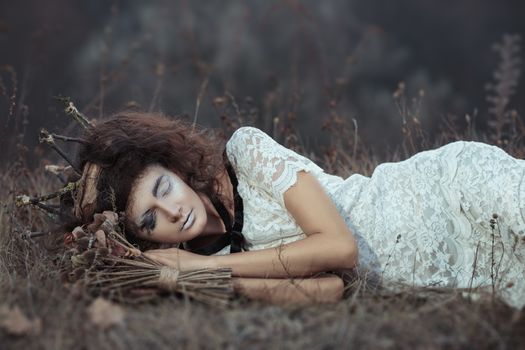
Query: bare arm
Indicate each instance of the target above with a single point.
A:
(329, 244)
(324, 289)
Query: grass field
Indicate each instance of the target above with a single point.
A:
(58, 318)
(54, 317)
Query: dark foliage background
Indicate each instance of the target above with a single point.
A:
(298, 60)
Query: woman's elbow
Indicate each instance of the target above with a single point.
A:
(349, 256)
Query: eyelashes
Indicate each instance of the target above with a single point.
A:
(149, 224)
(151, 218)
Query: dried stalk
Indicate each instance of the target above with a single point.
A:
(36, 234)
(71, 110)
(122, 269)
(69, 139)
(26, 200)
(46, 137)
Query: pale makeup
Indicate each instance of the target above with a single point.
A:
(165, 208)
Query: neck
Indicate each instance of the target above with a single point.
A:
(215, 226)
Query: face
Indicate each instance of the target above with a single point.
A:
(165, 208)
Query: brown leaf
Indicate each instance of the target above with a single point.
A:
(16, 323)
(105, 314)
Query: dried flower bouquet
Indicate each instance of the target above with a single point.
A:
(105, 263)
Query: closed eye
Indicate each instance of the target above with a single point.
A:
(149, 221)
(167, 186)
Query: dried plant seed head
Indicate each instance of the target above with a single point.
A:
(108, 227)
(78, 232)
(99, 219)
(83, 243)
(101, 238)
(68, 239)
(111, 216)
(103, 251)
(78, 261)
(89, 255)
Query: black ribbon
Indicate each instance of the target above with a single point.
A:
(233, 236)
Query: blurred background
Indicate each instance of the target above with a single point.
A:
(292, 63)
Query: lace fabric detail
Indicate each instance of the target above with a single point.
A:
(424, 221)
(264, 163)
(265, 170)
(427, 220)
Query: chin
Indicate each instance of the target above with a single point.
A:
(198, 226)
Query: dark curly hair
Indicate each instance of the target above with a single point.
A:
(126, 143)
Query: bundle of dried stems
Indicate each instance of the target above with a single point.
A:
(105, 263)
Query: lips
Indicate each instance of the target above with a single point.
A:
(189, 221)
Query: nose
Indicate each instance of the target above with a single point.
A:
(172, 211)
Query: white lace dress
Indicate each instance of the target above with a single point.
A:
(424, 221)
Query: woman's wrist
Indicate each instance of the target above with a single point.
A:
(212, 262)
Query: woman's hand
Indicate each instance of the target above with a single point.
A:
(179, 259)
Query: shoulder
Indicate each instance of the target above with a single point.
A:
(247, 133)
(245, 141)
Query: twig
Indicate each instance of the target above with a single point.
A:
(46, 137)
(26, 200)
(199, 100)
(48, 208)
(69, 139)
(30, 235)
(71, 110)
(354, 149)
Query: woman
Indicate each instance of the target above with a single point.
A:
(424, 221)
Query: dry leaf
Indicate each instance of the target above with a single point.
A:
(105, 314)
(16, 323)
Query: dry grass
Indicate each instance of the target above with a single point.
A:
(369, 319)
(416, 318)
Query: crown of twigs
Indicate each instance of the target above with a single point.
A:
(84, 191)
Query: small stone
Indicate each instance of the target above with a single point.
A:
(105, 314)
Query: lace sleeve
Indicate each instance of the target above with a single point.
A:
(264, 163)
